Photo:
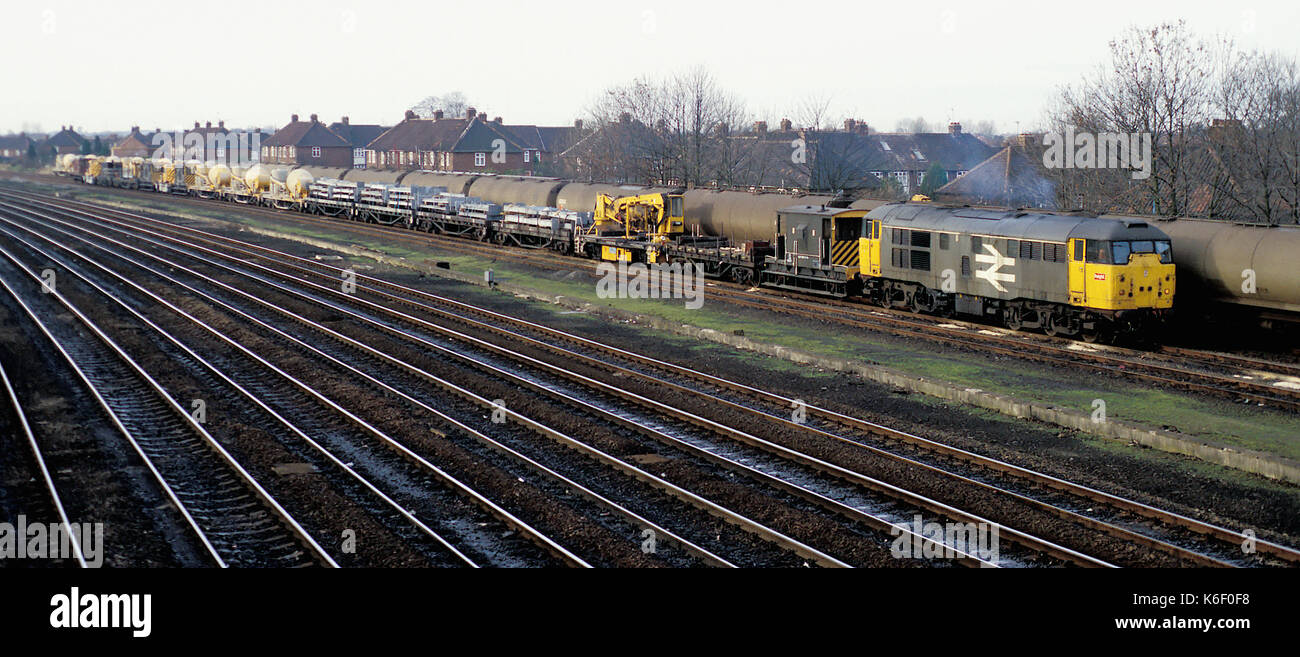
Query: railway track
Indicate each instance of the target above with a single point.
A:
(764, 532)
(50, 488)
(668, 535)
(301, 266)
(1225, 376)
(268, 396)
(231, 514)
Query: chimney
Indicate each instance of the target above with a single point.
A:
(954, 128)
(345, 120)
(577, 123)
(437, 114)
(196, 125)
(760, 127)
(862, 127)
(135, 128)
(293, 118)
(209, 125)
(786, 125)
(1026, 140)
(313, 118)
(497, 120)
(470, 113)
(849, 125)
(410, 114)
(221, 124)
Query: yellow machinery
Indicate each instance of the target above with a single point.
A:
(658, 217)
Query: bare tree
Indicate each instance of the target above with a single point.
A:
(1158, 83)
(452, 104)
(914, 126)
(1254, 146)
(813, 112)
(685, 135)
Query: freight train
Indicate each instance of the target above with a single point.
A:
(1066, 274)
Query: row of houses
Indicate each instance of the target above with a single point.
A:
(853, 157)
(627, 150)
(436, 143)
(66, 140)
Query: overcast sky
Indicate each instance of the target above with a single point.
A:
(109, 65)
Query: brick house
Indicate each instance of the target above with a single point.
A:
(14, 147)
(66, 141)
(855, 157)
(359, 136)
(134, 144)
(306, 143)
(543, 144)
(452, 144)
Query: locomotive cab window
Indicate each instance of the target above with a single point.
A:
(1122, 250)
(848, 228)
(1165, 251)
(1099, 252)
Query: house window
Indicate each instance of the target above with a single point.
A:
(526, 154)
(480, 159)
(315, 151)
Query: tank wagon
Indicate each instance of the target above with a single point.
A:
(1250, 271)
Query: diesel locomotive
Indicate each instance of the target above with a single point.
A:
(1071, 275)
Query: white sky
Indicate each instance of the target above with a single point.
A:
(109, 65)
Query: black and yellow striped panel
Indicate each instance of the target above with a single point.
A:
(845, 253)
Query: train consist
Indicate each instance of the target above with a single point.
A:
(1065, 274)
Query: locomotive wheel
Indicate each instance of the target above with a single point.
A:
(1049, 326)
(1011, 318)
(922, 302)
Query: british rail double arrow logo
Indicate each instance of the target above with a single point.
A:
(992, 274)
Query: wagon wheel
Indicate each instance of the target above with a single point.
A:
(742, 275)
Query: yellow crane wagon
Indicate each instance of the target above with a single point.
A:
(634, 228)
